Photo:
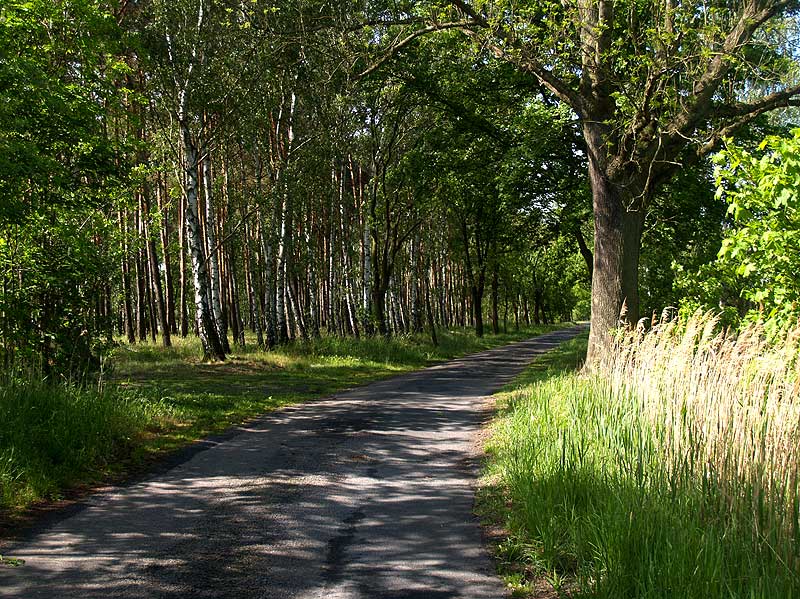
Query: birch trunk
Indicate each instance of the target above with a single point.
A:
(280, 300)
(207, 328)
(182, 303)
(213, 261)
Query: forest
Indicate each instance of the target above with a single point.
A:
(200, 199)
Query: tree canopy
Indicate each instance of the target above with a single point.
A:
(315, 168)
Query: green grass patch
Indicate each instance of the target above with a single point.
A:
(54, 436)
(155, 399)
(590, 508)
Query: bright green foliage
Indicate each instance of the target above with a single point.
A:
(756, 273)
(54, 77)
(763, 190)
(685, 231)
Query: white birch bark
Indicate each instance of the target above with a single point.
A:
(209, 337)
(213, 263)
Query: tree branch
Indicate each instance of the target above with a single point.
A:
(757, 110)
(558, 87)
(754, 14)
(773, 100)
(408, 39)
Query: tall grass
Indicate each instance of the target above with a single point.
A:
(52, 436)
(670, 472)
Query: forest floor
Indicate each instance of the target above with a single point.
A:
(156, 400)
(367, 493)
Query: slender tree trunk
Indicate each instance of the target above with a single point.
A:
(183, 311)
(126, 280)
(252, 294)
(505, 312)
(141, 285)
(272, 303)
(477, 309)
(313, 313)
(368, 274)
(237, 322)
(416, 320)
(429, 312)
(165, 251)
(283, 242)
(150, 294)
(379, 307)
(207, 328)
(155, 275)
(213, 253)
(348, 275)
(297, 311)
(495, 299)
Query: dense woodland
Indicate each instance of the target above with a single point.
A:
(213, 208)
(299, 168)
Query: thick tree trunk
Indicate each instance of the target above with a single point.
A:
(618, 223)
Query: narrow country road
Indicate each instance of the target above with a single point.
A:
(365, 495)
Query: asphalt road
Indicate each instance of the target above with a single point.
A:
(368, 494)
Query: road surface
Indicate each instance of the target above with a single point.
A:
(365, 495)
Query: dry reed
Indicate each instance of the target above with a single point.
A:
(725, 411)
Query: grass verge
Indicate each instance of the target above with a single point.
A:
(56, 439)
(671, 474)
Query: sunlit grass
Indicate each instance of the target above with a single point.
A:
(671, 473)
(156, 399)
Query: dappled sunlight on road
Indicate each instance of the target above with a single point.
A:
(368, 494)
